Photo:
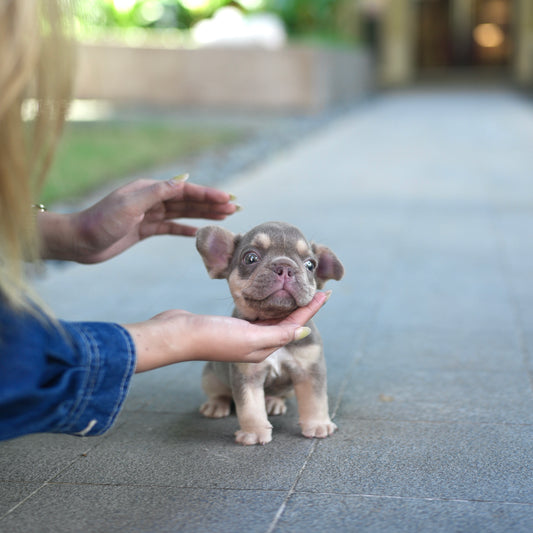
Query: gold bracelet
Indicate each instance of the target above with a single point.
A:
(39, 208)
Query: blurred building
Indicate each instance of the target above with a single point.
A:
(480, 39)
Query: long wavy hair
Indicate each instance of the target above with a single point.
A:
(36, 73)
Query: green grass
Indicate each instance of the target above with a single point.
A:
(91, 154)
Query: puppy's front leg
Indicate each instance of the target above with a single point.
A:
(251, 412)
(312, 400)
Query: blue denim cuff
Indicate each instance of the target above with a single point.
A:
(105, 372)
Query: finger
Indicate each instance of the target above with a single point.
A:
(203, 194)
(212, 211)
(186, 200)
(167, 228)
(290, 329)
(150, 192)
(144, 198)
(302, 315)
(136, 185)
(172, 228)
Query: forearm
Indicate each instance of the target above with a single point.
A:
(154, 346)
(177, 336)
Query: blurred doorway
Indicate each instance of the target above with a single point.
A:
(464, 33)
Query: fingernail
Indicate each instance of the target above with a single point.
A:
(232, 197)
(302, 333)
(181, 178)
(328, 294)
(238, 208)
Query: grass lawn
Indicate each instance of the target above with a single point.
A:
(92, 153)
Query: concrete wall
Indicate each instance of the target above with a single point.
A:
(397, 43)
(523, 65)
(295, 77)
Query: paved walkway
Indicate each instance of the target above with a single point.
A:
(427, 197)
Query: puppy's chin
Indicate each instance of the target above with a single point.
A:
(277, 306)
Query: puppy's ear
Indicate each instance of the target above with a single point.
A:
(329, 266)
(216, 246)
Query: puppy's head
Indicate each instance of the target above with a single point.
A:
(271, 270)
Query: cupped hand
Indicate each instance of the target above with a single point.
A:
(176, 336)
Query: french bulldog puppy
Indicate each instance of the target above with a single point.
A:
(271, 271)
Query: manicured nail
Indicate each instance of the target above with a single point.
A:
(232, 197)
(328, 294)
(302, 333)
(181, 178)
(238, 208)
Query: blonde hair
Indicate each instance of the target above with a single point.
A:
(36, 61)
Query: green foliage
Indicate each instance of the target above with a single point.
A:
(300, 17)
(305, 16)
(91, 154)
(144, 13)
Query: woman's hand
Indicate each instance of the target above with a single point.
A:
(128, 215)
(176, 336)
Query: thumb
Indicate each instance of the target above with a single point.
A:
(293, 327)
(302, 315)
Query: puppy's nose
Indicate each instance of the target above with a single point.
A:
(283, 270)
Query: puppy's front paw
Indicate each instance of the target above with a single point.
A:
(216, 408)
(255, 436)
(316, 429)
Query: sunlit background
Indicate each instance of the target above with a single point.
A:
(200, 22)
(273, 58)
(409, 38)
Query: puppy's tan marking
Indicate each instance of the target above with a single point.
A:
(236, 285)
(262, 240)
(306, 356)
(301, 247)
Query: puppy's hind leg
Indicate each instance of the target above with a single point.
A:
(219, 398)
(275, 405)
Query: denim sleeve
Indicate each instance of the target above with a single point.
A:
(62, 377)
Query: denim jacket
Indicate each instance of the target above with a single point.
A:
(64, 377)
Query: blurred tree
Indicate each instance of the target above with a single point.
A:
(305, 16)
(301, 17)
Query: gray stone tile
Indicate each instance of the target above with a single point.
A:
(12, 494)
(174, 389)
(38, 458)
(65, 508)
(438, 348)
(528, 351)
(396, 392)
(522, 294)
(344, 512)
(425, 292)
(187, 450)
(514, 228)
(486, 462)
(463, 230)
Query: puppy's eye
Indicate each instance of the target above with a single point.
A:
(250, 258)
(310, 264)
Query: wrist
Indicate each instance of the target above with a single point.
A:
(153, 345)
(56, 236)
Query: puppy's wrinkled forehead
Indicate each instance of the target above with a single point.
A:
(276, 238)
